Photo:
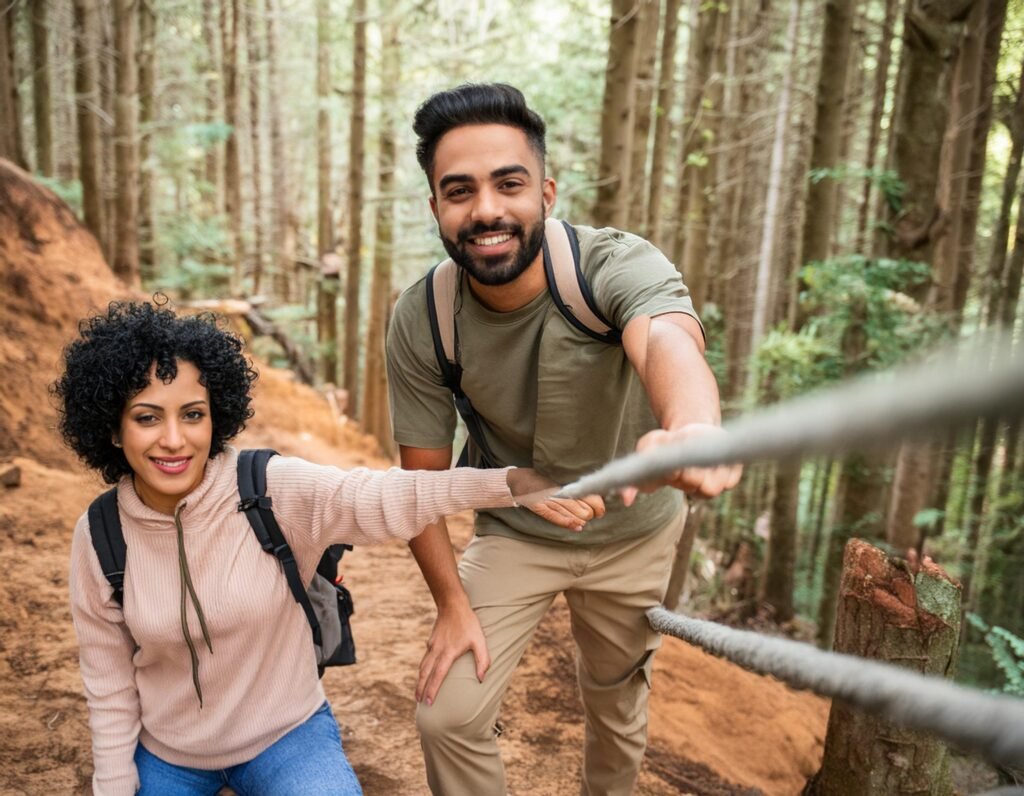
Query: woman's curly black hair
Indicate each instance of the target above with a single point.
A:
(111, 360)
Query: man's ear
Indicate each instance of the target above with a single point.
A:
(433, 205)
(548, 194)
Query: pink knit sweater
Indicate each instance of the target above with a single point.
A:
(260, 681)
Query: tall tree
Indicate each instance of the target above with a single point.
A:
(147, 121)
(210, 69)
(230, 11)
(617, 114)
(646, 54)
(662, 136)
(126, 114)
(255, 142)
(327, 310)
(931, 35)
(375, 420)
(10, 104)
(354, 244)
(41, 103)
(90, 166)
(279, 167)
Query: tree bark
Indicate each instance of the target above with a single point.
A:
(41, 103)
(821, 195)
(325, 222)
(10, 104)
(88, 106)
(883, 59)
(256, 144)
(126, 113)
(210, 66)
(230, 11)
(780, 564)
(375, 418)
(281, 256)
(617, 114)
(646, 54)
(889, 614)
(147, 119)
(663, 106)
(354, 244)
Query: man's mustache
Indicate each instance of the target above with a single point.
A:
(482, 229)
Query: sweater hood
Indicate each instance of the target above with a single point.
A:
(218, 483)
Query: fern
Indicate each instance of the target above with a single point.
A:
(1007, 653)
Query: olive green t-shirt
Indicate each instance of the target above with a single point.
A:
(550, 397)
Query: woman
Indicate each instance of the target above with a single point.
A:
(207, 676)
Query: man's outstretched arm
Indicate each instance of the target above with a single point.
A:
(667, 352)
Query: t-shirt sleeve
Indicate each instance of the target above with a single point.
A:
(422, 411)
(630, 277)
(105, 649)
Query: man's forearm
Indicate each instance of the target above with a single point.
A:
(672, 368)
(432, 550)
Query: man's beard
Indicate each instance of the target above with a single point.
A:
(504, 268)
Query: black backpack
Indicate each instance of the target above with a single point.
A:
(326, 603)
(569, 291)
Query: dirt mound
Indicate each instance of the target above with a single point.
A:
(714, 729)
(53, 274)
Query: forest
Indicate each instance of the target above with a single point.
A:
(839, 182)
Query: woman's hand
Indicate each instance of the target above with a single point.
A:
(536, 492)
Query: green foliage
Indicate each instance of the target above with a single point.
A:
(789, 364)
(928, 518)
(70, 192)
(1007, 652)
(886, 181)
(871, 292)
(195, 250)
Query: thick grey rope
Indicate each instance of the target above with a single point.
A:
(989, 724)
(874, 410)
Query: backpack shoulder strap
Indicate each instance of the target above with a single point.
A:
(442, 288)
(108, 540)
(569, 288)
(257, 506)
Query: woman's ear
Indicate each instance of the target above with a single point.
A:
(115, 441)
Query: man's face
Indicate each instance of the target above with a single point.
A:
(490, 199)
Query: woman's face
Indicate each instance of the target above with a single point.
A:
(166, 432)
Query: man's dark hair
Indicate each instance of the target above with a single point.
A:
(473, 103)
(110, 361)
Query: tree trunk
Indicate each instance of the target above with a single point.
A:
(828, 125)
(230, 11)
(147, 119)
(766, 256)
(617, 114)
(931, 34)
(126, 110)
(646, 54)
(213, 162)
(10, 105)
(375, 419)
(255, 138)
(282, 258)
(777, 588)
(886, 613)
(879, 95)
(88, 106)
(356, 176)
(325, 222)
(665, 98)
(41, 103)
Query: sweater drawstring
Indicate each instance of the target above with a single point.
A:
(185, 583)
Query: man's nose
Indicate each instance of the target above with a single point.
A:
(488, 206)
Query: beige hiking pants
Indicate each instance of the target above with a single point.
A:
(511, 584)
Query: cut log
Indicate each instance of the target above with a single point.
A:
(888, 613)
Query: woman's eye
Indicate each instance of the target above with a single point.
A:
(145, 420)
(195, 414)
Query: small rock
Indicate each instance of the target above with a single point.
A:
(10, 474)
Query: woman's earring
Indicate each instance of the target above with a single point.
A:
(117, 444)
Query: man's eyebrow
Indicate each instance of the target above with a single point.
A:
(448, 179)
(497, 174)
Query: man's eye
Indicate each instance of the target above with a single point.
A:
(511, 185)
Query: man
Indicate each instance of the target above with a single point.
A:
(550, 396)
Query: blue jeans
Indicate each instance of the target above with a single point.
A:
(308, 761)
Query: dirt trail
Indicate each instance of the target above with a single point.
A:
(714, 728)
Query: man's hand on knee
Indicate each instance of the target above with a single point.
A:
(456, 632)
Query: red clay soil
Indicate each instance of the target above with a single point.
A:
(714, 728)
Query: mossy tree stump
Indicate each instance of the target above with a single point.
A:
(888, 613)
